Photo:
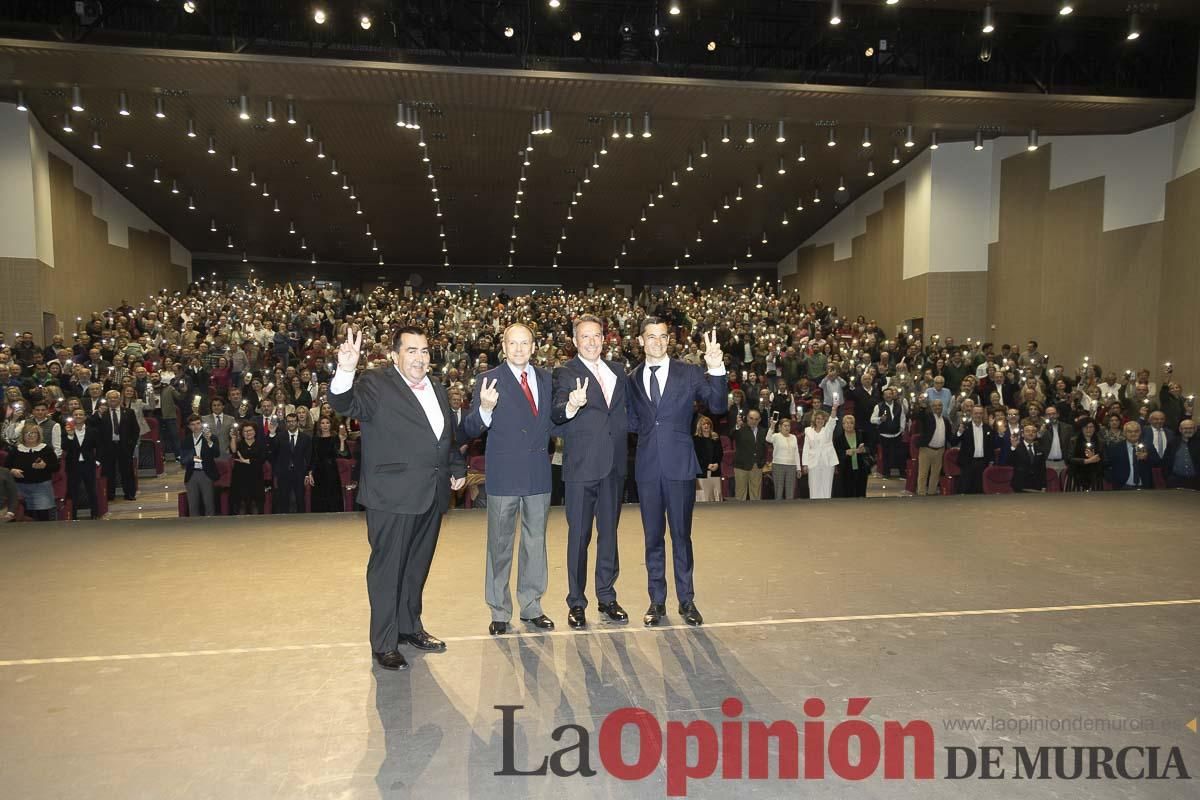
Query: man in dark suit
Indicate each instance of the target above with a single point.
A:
(290, 453)
(1028, 461)
(119, 433)
(409, 466)
(80, 452)
(749, 456)
(661, 404)
(590, 403)
(976, 450)
(1158, 438)
(513, 405)
(1127, 464)
(1055, 439)
(198, 454)
(1182, 462)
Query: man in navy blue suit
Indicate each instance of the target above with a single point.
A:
(290, 452)
(1127, 464)
(662, 398)
(513, 405)
(590, 403)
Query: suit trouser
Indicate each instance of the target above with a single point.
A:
(675, 500)
(402, 548)
(200, 491)
(929, 469)
(532, 576)
(971, 480)
(747, 483)
(82, 490)
(894, 454)
(784, 476)
(289, 494)
(168, 432)
(820, 481)
(599, 501)
(118, 464)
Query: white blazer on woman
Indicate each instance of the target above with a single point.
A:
(818, 447)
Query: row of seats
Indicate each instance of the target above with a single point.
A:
(221, 487)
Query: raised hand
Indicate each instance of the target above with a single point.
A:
(348, 352)
(488, 396)
(578, 397)
(712, 351)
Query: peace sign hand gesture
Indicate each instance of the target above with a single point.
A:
(578, 397)
(713, 357)
(488, 396)
(348, 352)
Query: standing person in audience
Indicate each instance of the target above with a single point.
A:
(976, 451)
(513, 405)
(1182, 462)
(323, 476)
(1127, 463)
(1055, 437)
(168, 427)
(10, 495)
(1029, 461)
(591, 404)
(709, 455)
(889, 421)
(819, 460)
(749, 457)
(1085, 467)
(663, 398)
(854, 458)
(785, 458)
(220, 424)
(932, 441)
(247, 486)
(51, 432)
(1158, 438)
(199, 455)
(289, 452)
(32, 464)
(119, 434)
(81, 444)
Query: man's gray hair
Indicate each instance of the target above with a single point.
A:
(582, 318)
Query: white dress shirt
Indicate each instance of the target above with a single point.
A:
(486, 414)
(424, 394)
(939, 433)
(1160, 440)
(1055, 445)
(664, 366)
(604, 376)
(977, 433)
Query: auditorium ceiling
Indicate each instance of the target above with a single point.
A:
(476, 125)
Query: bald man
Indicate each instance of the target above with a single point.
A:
(119, 432)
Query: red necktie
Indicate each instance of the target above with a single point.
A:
(528, 394)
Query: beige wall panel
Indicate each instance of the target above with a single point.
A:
(1178, 313)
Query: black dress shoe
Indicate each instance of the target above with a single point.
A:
(614, 611)
(575, 618)
(391, 660)
(540, 621)
(690, 614)
(498, 628)
(423, 641)
(654, 615)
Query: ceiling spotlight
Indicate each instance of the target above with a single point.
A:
(21, 106)
(978, 140)
(333, 170)
(243, 256)
(651, 202)
(421, 139)
(699, 236)
(690, 167)
(123, 104)
(212, 224)
(629, 127)
(191, 128)
(724, 133)
(353, 192)
(933, 140)
(989, 19)
(513, 235)
(1135, 27)
(174, 187)
(308, 132)
(758, 184)
(802, 157)
(632, 235)
(291, 112)
(715, 218)
(764, 237)
(129, 159)
(870, 169)
(712, 46)
(782, 169)
(1033, 140)
(784, 221)
(243, 107)
(908, 137)
(292, 227)
(725, 202)
(189, 6)
(895, 155)
(841, 184)
(832, 137)
(508, 33)
(660, 191)
(156, 179)
(233, 165)
(253, 179)
(76, 99)
(276, 208)
(96, 140)
(674, 178)
(1066, 9)
(677, 263)
(817, 194)
(381, 259)
(367, 232)
(270, 110)
(577, 36)
(738, 196)
(779, 137)
(646, 125)
(265, 192)
(364, 22)
(160, 110)
(687, 253)
(303, 243)
(643, 216)
(799, 204)
(229, 242)
(191, 203)
(674, 9)
(320, 149)
(615, 133)
(866, 142)
(319, 15)
(749, 133)
(212, 144)
(314, 258)
(563, 236)
(835, 12)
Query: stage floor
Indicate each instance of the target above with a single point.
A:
(228, 659)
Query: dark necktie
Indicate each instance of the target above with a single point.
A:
(528, 393)
(655, 392)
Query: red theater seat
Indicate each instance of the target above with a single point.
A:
(997, 480)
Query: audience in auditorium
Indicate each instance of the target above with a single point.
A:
(251, 364)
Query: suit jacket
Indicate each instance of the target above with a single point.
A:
(74, 447)
(129, 432)
(966, 444)
(518, 457)
(595, 439)
(405, 467)
(288, 463)
(1193, 445)
(220, 432)
(1029, 469)
(460, 432)
(208, 456)
(749, 452)
(1148, 437)
(841, 444)
(1116, 466)
(928, 422)
(665, 448)
(1045, 438)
